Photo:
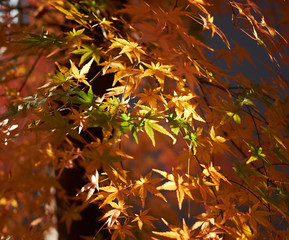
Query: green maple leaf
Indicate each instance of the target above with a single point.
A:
(151, 125)
(88, 52)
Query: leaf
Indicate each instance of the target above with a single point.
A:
(143, 218)
(217, 139)
(244, 171)
(176, 232)
(112, 193)
(175, 183)
(159, 71)
(214, 174)
(258, 216)
(122, 231)
(256, 154)
(208, 24)
(151, 97)
(113, 214)
(76, 36)
(149, 131)
(235, 117)
(145, 185)
(86, 98)
(131, 49)
(88, 52)
(71, 214)
(150, 125)
(91, 186)
(80, 75)
(44, 40)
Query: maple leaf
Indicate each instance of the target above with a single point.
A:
(217, 142)
(122, 231)
(256, 154)
(77, 36)
(112, 193)
(79, 119)
(88, 52)
(242, 53)
(176, 183)
(200, 4)
(180, 102)
(122, 71)
(80, 75)
(131, 49)
(66, 158)
(145, 185)
(143, 218)
(150, 125)
(71, 214)
(244, 172)
(159, 71)
(137, 11)
(259, 216)
(91, 186)
(208, 24)
(205, 220)
(151, 97)
(227, 56)
(189, 70)
(228, 207)
(217, 139)
(176, 232)
(113, 214)
(213, 173)
(273, 135)
(108, 30)
(183, 107)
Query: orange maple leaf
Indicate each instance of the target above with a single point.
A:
(151, 97)
(145, 185)
(143, 218)
(113, 214)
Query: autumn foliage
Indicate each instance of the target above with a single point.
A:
(188, 148)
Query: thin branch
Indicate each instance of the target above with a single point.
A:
(31, 69)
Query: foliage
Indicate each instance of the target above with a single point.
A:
(204, 142)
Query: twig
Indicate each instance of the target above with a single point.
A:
(31, 70)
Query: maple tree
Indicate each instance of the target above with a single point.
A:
(186, 148)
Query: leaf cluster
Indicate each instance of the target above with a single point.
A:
(177, 131)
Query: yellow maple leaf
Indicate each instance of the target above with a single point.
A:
(80, 75)
(131, 49)
(217, 139)
(175, 183)
(159, 71)
(212, 172)
(176, 232)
